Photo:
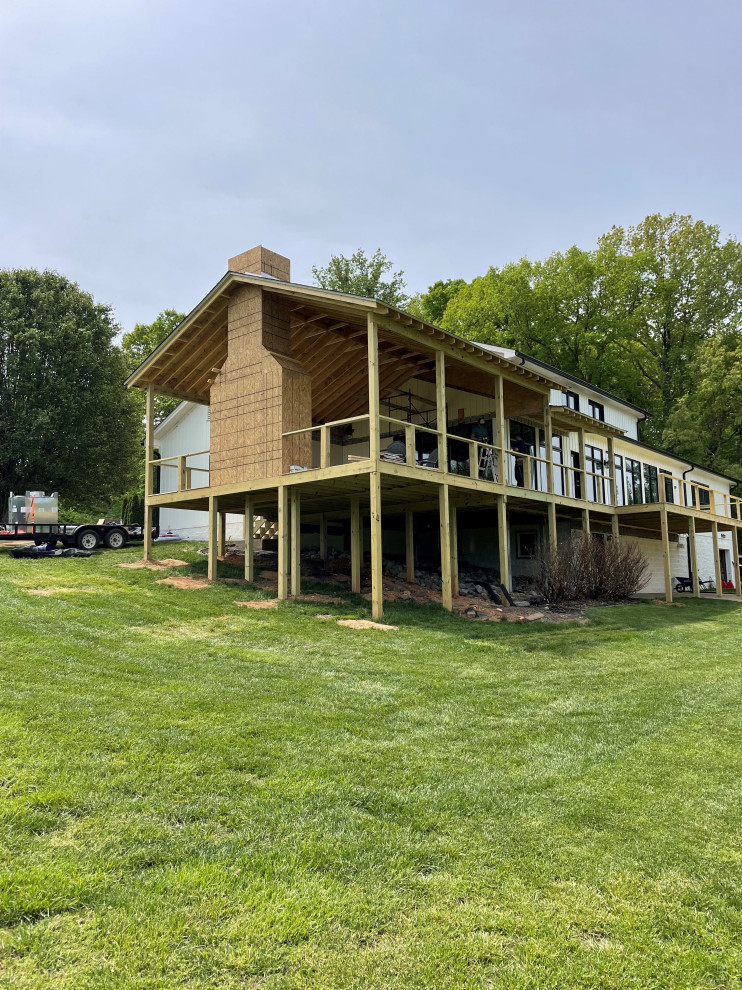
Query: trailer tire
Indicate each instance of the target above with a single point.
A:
(115, 539)
(87, 540)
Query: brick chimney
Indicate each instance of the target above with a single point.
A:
(261, 261)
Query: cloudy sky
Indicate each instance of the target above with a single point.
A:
(143, 142)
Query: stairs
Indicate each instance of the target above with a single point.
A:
(264, 529)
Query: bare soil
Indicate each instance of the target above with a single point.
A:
(155, 565)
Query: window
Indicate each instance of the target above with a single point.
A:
(633, 474)
(594, 463)
(525, 545)
(597, 410)
(669, 487)
(704, 498)
(618, 461)
(572, 401)
(651, 487)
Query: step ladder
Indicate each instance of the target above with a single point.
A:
(487, 463)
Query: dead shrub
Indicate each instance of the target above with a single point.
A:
(590, 566)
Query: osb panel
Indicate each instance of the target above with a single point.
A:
(258, 395)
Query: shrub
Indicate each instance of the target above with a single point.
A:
(588, 566)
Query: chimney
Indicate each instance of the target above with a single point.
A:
(261, 261)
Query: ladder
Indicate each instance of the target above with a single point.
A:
(487, 463)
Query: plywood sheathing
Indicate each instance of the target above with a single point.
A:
(259, 261)
(260, 392)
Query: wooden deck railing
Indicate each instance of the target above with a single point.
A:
(185, 471)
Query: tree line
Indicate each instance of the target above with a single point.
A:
(652, 313)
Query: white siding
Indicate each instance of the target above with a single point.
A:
(186, 430)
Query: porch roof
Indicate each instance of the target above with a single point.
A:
(186, 362)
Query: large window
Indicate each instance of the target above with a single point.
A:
(618, 462)
(669, 487)
(596, 409)
(633, 475)
(651, 487)
(594, 463)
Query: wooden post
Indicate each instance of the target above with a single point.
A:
(409, 545)
(666, 553)
(356, 548)
(614, 526)
(409, 443)
(473, 459)
(582, 472)
(323, 537)
(222, 533)
(444, 519)
(440, 406)
(149, 456)
(586, 521)
(249, 535)
(501, 440)
(213, 537)
(612, 471)
(548, 445)
(324, 446)
(149, 440)
(377, 587)
(283, 542)
(295, 542)
(182, 474)
(693, 557)
(552, 526)
(717, 561)
(502, 540)
(567, 475)
(454, 551)
(373, 388)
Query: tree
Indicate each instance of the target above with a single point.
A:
(679, 286)
(629, 316)
(363, 276)
(67, 422)
(706, 424)
(139, 343)
(430, 306)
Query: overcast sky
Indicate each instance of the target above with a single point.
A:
(144, 143)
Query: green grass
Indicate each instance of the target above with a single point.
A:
(199, 795)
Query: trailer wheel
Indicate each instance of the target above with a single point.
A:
(115, 539)
(87, 540)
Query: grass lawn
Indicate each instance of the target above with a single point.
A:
(200, 795)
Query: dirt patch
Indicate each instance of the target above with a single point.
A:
(195, 584)
(661, 601)
(271, 603)
(155, 565)
(322, 599)
(61, 591)
(365, 624)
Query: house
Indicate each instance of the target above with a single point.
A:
(307, 388)
(188, 428)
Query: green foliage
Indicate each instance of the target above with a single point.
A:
(363, 276)
(705, 424)
(139, 343)
(132, 509)
(431, 305)
(210, 797)
(67, 423)
(633, 316)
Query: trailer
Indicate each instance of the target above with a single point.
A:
(35, 516)
(85, 536)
